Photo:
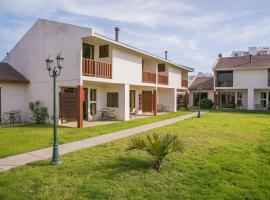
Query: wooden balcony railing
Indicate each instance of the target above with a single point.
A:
(149, 77)
(224, 83)
(184, 83)
(96, 68)
(163, 79)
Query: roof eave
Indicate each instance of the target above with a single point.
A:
(189, 69)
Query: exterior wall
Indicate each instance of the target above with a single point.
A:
(150, 65)
(174, 77)
(252, 78)
(13, 97)
(45, 39)
(127, 67)
(210, 94)
(167, 97)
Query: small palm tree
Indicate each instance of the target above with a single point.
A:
(158, 146)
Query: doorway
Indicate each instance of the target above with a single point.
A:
(147, 101)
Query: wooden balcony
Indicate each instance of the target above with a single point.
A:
(149, 77)
(163, 79)
(224, 83)
(96, 68)
(184, 83)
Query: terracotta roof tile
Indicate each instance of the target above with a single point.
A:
(205, 83)
(9, 75)
(257, 61)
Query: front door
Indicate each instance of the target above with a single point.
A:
(68, 104)
(147, 101)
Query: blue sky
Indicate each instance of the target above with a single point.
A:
(192, 31)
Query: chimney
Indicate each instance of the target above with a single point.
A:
(117, 29)
(166, 55)
(250, 58)
(220, 55)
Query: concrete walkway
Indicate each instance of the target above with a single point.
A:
(44, 154)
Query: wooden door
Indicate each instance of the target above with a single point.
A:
(147, 101)
(68, 104)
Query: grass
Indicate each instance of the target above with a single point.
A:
(15, 140)
(227, 157)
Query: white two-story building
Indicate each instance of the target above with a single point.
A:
(98, 72)
(242, 82)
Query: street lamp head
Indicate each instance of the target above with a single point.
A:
(59, 61)
(49, 64)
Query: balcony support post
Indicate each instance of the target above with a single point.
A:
(79, 106)
(155, 102)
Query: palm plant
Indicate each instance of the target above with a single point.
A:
(158, 146)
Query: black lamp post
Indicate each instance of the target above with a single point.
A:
(199, 110)
(54, 71)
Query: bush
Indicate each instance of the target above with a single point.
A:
(206, 103)
(39, 112)
(158, 146)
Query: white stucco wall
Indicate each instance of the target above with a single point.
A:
(250, 78)
(14, 97)
(127, 66)
(167, 97)
(174, 77)
(47, 38)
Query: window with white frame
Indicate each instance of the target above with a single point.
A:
(263, 100)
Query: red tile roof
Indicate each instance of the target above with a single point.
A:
(9, 75)
(256, 61)
(205, 83)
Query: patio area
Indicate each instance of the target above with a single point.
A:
(92, 123)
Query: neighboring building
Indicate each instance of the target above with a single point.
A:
(242, 82)
(13, 90)
(206, 83)
(98, 72)
(252, 51)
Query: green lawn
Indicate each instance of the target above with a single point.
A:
(15, 140)
(227, 157)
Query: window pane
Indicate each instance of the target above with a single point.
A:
(112, 100)
(225, 79)
(93, 95)
(104, 51)
(263, 95)
(161, 67)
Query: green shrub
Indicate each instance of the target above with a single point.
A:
(206, 103)
(158, 146)
(39, 112)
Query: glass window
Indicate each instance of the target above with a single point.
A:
(104, 51)
(88, 51)
(227, 99)
(239, 100)
(224, 79)
(112, 99)
(161, 67)
(93, 108)
(263, 100)
(93, 95)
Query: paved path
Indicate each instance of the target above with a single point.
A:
(43, 154)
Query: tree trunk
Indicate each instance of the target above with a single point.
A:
(158, 165)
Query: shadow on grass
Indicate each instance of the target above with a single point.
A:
(126, 164)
